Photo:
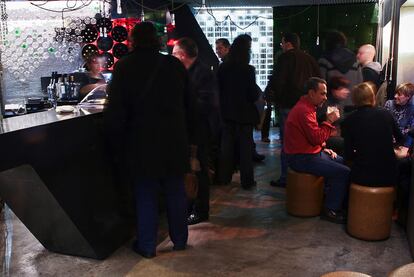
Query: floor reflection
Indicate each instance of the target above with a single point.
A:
(249, 234)
(8, 239)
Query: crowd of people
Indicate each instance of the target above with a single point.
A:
(172, 115)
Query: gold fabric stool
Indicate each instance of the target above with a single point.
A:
(304, 194)
(370, 212)
(345, 274)
(403, 271)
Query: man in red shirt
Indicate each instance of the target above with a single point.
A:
(304, 141)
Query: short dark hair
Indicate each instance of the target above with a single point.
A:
(313, 84)
(293, 38)
(224, 41)
(144, 35)
(337, 82)
(188, 46)
(91, 58)
(335, 39)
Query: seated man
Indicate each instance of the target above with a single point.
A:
(304, 139)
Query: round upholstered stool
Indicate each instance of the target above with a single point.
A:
(370, 212)
(345, 274)
(304, 194)
(403, 271)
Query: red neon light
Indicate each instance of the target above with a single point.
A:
(171, 42)
(170, 28)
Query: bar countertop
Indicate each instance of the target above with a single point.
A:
(26, 121)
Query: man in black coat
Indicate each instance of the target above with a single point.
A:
(203, 85)
(294, 67)
(149, 126)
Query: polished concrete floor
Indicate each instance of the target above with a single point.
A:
(249, 234)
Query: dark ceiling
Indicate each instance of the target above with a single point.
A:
(274, 3)
(250, 3)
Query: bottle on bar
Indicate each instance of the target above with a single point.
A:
(74, 88)
(60, 88)
(51, 90)
(66, 95)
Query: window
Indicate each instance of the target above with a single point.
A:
(260, 29)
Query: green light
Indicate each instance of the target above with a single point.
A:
(17, 32)
(51, 50)
(24, 46)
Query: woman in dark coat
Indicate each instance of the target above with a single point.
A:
(238, 92)
(369, 135)
(147, 121)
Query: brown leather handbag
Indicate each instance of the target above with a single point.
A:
(191, 185)
(190, 179)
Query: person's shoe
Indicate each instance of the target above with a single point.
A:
(249, 186)
(195, 218)
(333, 216)
(179, 247)
(147, 255)
(279, 183)
(218, 183)
(267, 140)
(258, 157)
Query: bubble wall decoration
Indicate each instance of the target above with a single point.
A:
(119, 33)
(38, 42)
(119, 50)
(108, 60)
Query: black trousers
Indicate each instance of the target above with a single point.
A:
(243, 134)
(266, 122)
(201, 204)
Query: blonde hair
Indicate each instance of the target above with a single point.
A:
(405, 88)
(364, 94)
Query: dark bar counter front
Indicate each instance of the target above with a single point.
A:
(56, 176)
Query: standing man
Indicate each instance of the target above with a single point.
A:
(294, 67)
(339, 60)
(370, 70)
(203, 86)
(149, 100)
(222, 48)
(304, 148)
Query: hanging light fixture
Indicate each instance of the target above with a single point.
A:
(317, 28)
(172, 13)
(118, 7)
(142, 11)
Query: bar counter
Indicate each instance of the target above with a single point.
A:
(26, 121)
(56, 176)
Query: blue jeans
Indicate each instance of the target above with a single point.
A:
(146, 198)
(282, 116)
(336, 175)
